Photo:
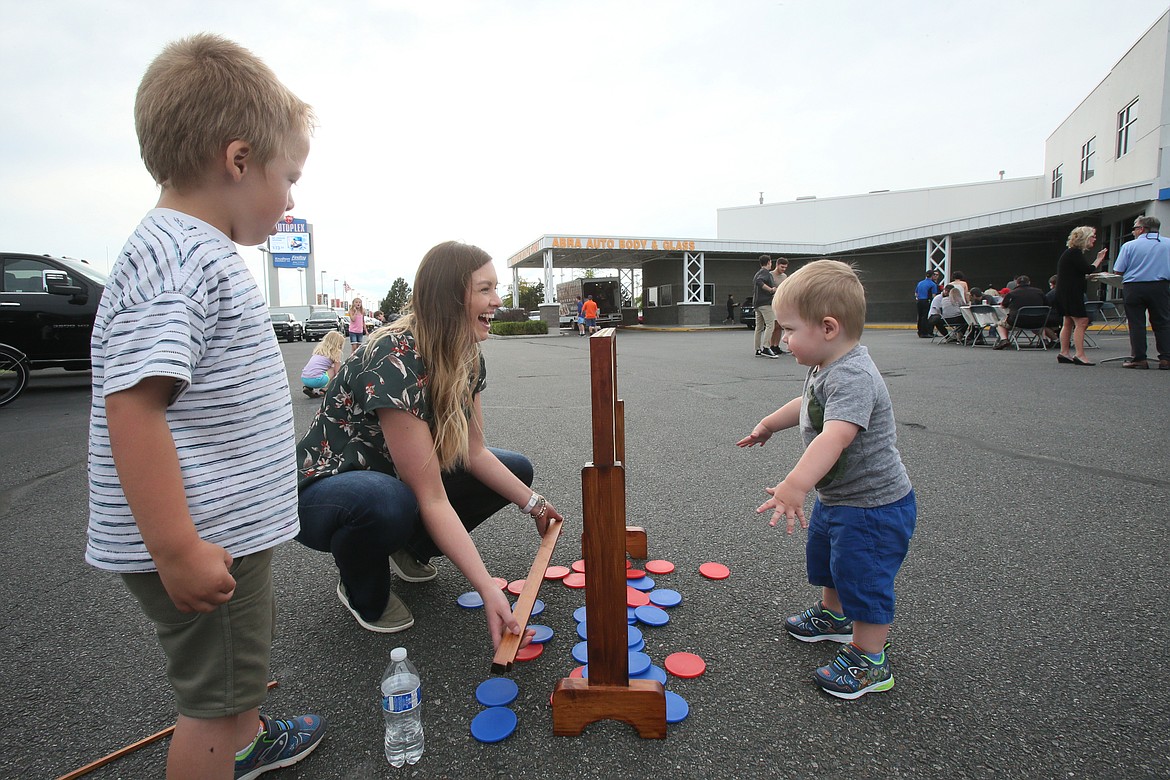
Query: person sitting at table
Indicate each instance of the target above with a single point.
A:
(991, 296)
(945, 312)
(1023, 295)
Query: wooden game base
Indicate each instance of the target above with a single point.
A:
(642, 704)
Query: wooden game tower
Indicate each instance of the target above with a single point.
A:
(608, 692)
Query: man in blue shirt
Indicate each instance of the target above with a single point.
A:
(1144, 265)
(923, 294)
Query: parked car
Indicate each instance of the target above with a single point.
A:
(286, 326)
(321, 322)
(747, 313)
(47, 308)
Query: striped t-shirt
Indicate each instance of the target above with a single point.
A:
(180, 302)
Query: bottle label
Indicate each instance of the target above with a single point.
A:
(402, 702)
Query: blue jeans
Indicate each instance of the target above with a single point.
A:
(363, 516)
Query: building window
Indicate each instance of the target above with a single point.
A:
(1125, 119)
(1058, 181)
(1088, 166)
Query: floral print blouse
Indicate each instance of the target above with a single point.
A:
(345, 434)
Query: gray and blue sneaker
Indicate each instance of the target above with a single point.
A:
(852, 674)
(281, 743)
(817, 624)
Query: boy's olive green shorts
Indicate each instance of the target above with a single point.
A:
(217, 662)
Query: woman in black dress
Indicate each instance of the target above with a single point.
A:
(1071, 272)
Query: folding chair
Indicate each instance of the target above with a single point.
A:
(956, 331)
(1028, 322)
(1113, 317)
(1093, 309)
(983, 320)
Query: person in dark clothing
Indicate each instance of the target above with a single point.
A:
(1024, 294)
(1071, 283)
(924, 293)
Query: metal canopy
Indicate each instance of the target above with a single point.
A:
(569, 251)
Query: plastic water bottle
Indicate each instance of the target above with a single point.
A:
(402, 708)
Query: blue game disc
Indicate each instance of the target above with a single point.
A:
(640, 646)
(579, 614)
(470, 600)
(631, 618)
(643, 584)
(537, 608)
(633, 635)
(676, 707)
(639, 662)
(496, 692)
(582, 631)
(665, 598)
(653, 673)
(581, 652)
(493, 724)
(651, 615)
(543, 634)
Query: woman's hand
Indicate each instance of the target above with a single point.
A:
(500, 618)
(1102, 255)
(544, 513)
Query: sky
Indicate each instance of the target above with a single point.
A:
(497, 122)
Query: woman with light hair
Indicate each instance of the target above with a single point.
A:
(394, 469)
(1071, 272)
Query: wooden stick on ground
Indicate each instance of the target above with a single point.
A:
(85, 770)
(506, 652)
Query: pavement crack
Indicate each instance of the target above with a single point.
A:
(1048, 460)
(8, 496)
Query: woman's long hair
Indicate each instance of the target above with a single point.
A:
(437, 317)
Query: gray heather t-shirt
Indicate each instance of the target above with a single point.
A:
(870, 472)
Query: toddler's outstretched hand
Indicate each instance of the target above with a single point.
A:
(786, 501)
(759, 435)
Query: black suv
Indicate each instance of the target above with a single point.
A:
(747, 313)
(286, 326)
(321, 322)
(47, 308)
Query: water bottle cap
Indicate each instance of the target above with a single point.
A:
(398, 654)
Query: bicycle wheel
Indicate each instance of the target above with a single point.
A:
(13, 375)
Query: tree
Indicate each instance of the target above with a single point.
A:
(396, 300)
(531, 296)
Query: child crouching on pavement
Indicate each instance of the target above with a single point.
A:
(323, 364)
(192, 459)
(864, 513)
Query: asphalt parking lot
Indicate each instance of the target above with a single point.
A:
(1031, 613)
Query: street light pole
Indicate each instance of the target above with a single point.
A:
(335, 289)
(321, 290)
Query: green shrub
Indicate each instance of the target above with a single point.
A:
(525, 328)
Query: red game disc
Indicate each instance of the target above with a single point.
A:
(576, 673)
(533, 650)
(515, 587)
(636, 598)
(659, 567)
(574, 580)
(501, 583)
(685, 665)
(635, 574)
(579, 566)
(628, 564)
(556, 572)
(714, 571)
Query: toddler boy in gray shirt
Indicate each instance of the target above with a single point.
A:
(864, 514)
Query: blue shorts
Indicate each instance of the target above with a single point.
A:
(316, 382)
(590, 323)
(858, 551)
(356, 338)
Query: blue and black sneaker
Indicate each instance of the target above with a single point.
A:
(281, 743)
(817, 624)
(852, 673)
